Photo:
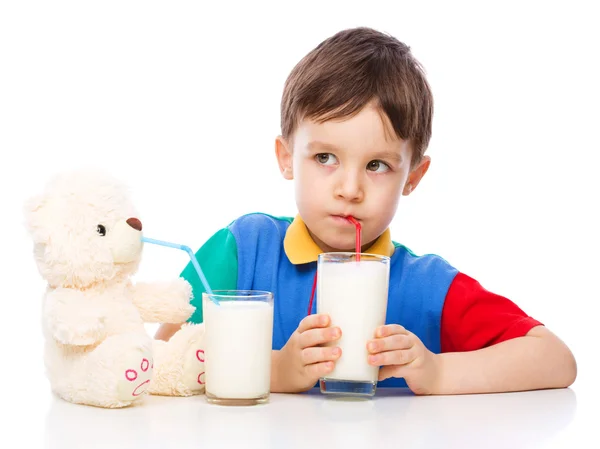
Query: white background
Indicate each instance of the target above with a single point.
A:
(181, 100)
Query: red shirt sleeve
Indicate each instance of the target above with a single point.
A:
(474, 318)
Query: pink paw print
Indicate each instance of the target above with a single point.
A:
(200, 357)
(132, 375)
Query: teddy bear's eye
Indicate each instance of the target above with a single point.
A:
(101, 230)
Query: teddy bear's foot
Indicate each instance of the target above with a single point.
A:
(115, 374)
(179, 369)
(135, 378)
(193, 370)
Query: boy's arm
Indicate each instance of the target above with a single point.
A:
(537, 360)
(166, 331)
(488, 345)
(500, 346)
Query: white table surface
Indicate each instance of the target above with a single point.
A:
(33, 418)
(393, 418)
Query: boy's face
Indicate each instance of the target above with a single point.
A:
(355, 166)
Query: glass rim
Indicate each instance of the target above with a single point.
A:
(353, 253)
(226, 294)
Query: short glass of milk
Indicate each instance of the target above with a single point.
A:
(237, 346)
(354, 293)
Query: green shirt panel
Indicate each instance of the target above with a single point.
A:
(218, 260)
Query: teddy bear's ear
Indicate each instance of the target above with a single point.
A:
(33, 215)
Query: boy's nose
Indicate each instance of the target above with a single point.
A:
(349, 188)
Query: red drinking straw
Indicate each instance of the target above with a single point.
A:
(358, 249)
(358, 232)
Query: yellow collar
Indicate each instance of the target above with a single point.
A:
(301, 248)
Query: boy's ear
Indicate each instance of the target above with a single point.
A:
(416, 174)
(284, 158)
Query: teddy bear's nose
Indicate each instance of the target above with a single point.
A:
(135, 223)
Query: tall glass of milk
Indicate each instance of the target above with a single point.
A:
(237, 346)
(354, 294)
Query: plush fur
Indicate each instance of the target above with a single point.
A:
(87, 245)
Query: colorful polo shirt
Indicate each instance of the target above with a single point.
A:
(448, 310)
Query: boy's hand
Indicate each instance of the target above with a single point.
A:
(401, 353)
(302, 361)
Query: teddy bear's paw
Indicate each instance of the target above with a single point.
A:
(182, 295)
(84, 333)
(179, 291)
(135, 378)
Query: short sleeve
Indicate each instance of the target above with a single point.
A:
(474, 318)
(218, 260)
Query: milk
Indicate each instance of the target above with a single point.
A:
(354, 295)
(238, 344)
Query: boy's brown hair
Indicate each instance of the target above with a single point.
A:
(352, 68)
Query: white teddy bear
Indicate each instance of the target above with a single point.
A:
(87, 245)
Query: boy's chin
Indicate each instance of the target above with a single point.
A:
(337, 246)
(331, 242)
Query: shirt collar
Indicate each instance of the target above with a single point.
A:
(301, 248)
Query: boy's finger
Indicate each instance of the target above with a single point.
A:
(315, 337)
(318, 370)
(385, 372)
(400, 357)
(316, 355)
(391, 343)
(312, 321)
(389, 329)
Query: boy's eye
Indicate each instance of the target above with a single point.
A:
(326, 158)
(378, 166)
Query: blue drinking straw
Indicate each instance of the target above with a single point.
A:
(195, 263)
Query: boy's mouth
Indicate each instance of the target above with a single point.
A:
(343, 220)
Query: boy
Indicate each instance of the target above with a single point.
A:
(356, 119)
